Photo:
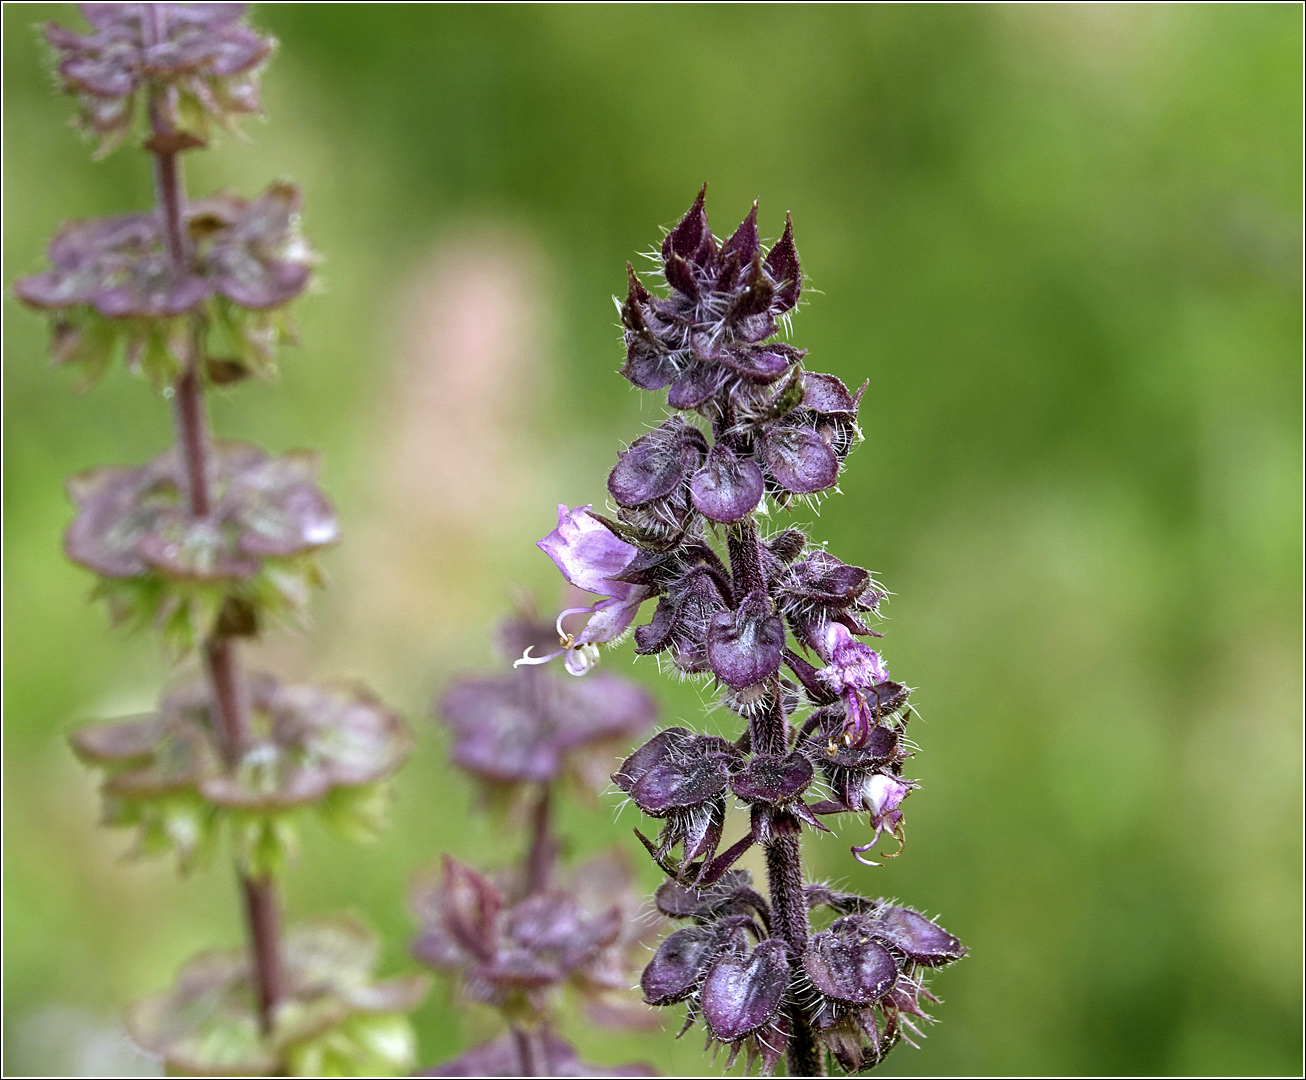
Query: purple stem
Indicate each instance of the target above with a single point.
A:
(263, 919)
(543, 849)
(222, 667)
(784, 857)
(525, 1053)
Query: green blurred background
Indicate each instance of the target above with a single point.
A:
(1062, 242)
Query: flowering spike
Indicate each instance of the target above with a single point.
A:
(753, 433)
(206, 544)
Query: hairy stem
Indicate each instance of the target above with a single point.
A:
(222, 667)
(745, 559)
(784, 876)
(543, 849)
(768, 732)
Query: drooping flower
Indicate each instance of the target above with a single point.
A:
(863, 778)
(591, 558)
(856, 673)
(881, 796)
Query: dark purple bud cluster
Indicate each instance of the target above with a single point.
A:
(774, 621)
(865, 973)
(860, 977)
(200, 62)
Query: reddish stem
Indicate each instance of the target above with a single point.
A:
(526, 1065)
(222, 665)
(228, 695)
(543, 849)
(263, 919)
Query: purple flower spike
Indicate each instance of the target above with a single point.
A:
(743, 991)
(777, 622)
(746, 646)
(726, 489)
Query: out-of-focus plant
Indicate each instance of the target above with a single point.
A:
(208, 544)
(773, 620)
(519, 937)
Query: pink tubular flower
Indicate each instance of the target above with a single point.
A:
(591, 558)
(851, 668)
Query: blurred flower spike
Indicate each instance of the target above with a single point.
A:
(207, 544)
(514, 938)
